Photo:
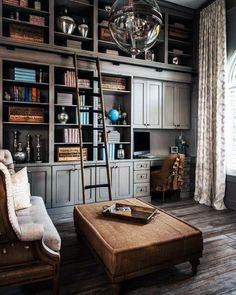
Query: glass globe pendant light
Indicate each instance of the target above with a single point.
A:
(135, 24)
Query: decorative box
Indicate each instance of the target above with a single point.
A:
(26, 33)
(65, 154)
(105, 34)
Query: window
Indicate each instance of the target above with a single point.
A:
(231, 119)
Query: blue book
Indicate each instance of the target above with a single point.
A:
(26, 98)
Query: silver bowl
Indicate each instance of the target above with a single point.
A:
(66, 24)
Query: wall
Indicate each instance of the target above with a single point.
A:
(230, 198)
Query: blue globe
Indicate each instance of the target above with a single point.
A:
(113, 115)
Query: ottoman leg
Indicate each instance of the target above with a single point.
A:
(116, 288)
(195, 263)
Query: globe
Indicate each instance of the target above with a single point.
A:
(113, 115)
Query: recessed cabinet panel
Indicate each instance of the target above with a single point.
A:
(40, 183)
(101, 178)
(63, 185)
(168, 105)
(139, 104)
(154, 104)
(124, 180)
(183, 94)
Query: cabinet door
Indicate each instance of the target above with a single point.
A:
(124, 180)
(183, 106)
(89, 179)
(63, 185)
(139, 104)
(40, 183)
(169, 105)
(101, 176)
(154, 104)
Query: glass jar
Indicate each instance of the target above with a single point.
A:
(37, 5)
(120, 152)
(63, 117)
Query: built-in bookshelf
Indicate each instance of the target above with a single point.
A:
(26, 23)
(25, 107)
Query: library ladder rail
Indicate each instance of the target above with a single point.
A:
(101, 128)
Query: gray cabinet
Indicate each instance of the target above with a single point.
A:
(147, 104)
(40, 183)
(122, 180)
(141, 178)
(63, 185)
(176, 106)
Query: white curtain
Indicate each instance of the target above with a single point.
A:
(211, 158)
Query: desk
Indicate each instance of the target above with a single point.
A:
(142, 167)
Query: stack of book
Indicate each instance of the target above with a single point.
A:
(113, 83)
(65, 98)
(26, 94)
(84, 115)
(111, 151)
(71, 135)
(82, 100)
(113, 136)
(21, 74)
(37, 20)
(23, 3)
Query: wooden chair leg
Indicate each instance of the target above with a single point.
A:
(195, 263)
(163, 196)
(56, 283)
(116, 288)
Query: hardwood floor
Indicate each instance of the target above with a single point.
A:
(82, 274)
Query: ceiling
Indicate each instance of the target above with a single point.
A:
(195, 4)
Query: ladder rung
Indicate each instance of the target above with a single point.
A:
(95, 186)
(99, 146)
(98, 128)
(95, 166)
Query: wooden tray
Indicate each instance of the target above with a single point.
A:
(130, 212)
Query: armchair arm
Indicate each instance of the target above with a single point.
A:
(31, 232)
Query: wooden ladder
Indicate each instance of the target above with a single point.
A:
(101, 129)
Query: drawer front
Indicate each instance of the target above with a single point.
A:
(141, 176)
(142, 165)
(141, 190)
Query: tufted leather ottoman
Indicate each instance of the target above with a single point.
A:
(129, 250)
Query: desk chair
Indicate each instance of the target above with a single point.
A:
(170, 177)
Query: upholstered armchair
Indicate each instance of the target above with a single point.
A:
(29, 242)
(170, 177)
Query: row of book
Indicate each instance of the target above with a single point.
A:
(26, 94)
(23, 3)
(22, 74)
(69, 80)
(71, 135)
(37, 20)
(84, 115)
(111, 152)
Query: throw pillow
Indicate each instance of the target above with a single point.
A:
(21, 189)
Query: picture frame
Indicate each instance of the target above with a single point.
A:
(174, 150)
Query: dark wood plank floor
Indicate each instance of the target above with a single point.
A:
(82, 274)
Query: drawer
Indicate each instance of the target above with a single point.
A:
(142, 165)
(141, 176)
(141, 190)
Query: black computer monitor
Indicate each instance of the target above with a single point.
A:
(141, 143)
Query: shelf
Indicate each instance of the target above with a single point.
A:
(118, 126)
(178, 28)
(73, 37)
(25, 82)
(179, 54)
(21, 22)
(179, 42)
(25, 123)
(64, 143)
(72, 87)
(119, 92)
(73, 105)
(107, 43)
(26, 103)
(71, 124)
(25, 9)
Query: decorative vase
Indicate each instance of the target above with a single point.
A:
(120, 152)
(20, 155)
(7, 96)
(28, 149)
(83, 29)
(63, 117)
(65, 23)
